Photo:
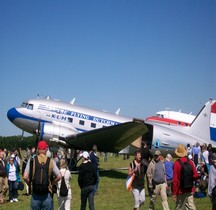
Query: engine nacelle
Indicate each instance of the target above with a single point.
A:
(50, 131)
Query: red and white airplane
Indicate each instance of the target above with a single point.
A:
(172, 118)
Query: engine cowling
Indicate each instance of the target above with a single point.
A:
(49, 131)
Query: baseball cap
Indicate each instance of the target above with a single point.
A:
(85, 155)
(42, 145)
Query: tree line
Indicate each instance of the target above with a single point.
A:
(15, 142)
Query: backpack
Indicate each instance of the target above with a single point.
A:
(63, 188)
(186, 179)
(40, 180)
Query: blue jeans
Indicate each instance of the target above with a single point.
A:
(42, 202)
(87, 193)
(12, 190)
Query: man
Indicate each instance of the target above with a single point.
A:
(212, 181)
(183, 196)
(136, 167)
(157, 181)
(3, 178)
(94, 159)
(87, 179)
(146, 157)
(41, 192)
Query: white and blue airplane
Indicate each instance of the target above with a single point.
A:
(75, 126)
(80, 127)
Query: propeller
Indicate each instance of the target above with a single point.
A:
(37, 134)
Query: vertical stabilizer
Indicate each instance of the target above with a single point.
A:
(213, 122)
(201, 126)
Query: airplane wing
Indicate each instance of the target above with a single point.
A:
(108, 139)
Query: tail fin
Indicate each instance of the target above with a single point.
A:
(204, 125)
(213, 122)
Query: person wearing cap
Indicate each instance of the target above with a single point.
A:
(212, 181)
(169, 173)
(87, 179)
(39, 201)
(182, 196)
(156, 174)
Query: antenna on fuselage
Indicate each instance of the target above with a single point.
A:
(72, 101)
(117, 111)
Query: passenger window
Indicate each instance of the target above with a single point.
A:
(81, 122)
(70, 120)
(93, 125)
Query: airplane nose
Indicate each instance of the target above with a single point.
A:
(12, 114)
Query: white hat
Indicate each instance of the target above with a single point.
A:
(85, 155)
(190, 157)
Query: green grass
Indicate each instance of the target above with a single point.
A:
(112, 193)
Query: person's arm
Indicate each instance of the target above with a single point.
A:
(57, 172)
(26, 172)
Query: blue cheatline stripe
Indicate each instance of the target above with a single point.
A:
(213, 133)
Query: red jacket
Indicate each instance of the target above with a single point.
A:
(177, 189)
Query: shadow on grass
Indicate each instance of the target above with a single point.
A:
(113, 174)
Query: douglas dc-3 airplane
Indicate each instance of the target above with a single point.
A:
(80, 127)
(172, 118)
(75, 126)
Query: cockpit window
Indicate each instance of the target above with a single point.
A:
(24, 104)
(30, 106)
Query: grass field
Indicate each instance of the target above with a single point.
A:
(111, 195)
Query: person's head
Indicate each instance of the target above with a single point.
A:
(84, 155)
(42, 147)
(157, 155)
(94, 148)
(143, 144)
(169, 157)
(11, 160)
(204, 146)
(137, 155)
(2, 154)
(181, 151)
(213, 158)
(209, 147)
(63, 163)
(188, 145)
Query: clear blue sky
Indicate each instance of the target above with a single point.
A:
(137, 55)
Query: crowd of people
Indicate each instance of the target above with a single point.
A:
(163, 176)
(42, 176)
(190, 175)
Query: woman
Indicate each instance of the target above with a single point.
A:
(136, 167)
(205, 158)
(13, 179)
(64, 201)
(169, 173)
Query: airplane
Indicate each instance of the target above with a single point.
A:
(166, 137)
(80, 127)
(77, 127)
(172, 118)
